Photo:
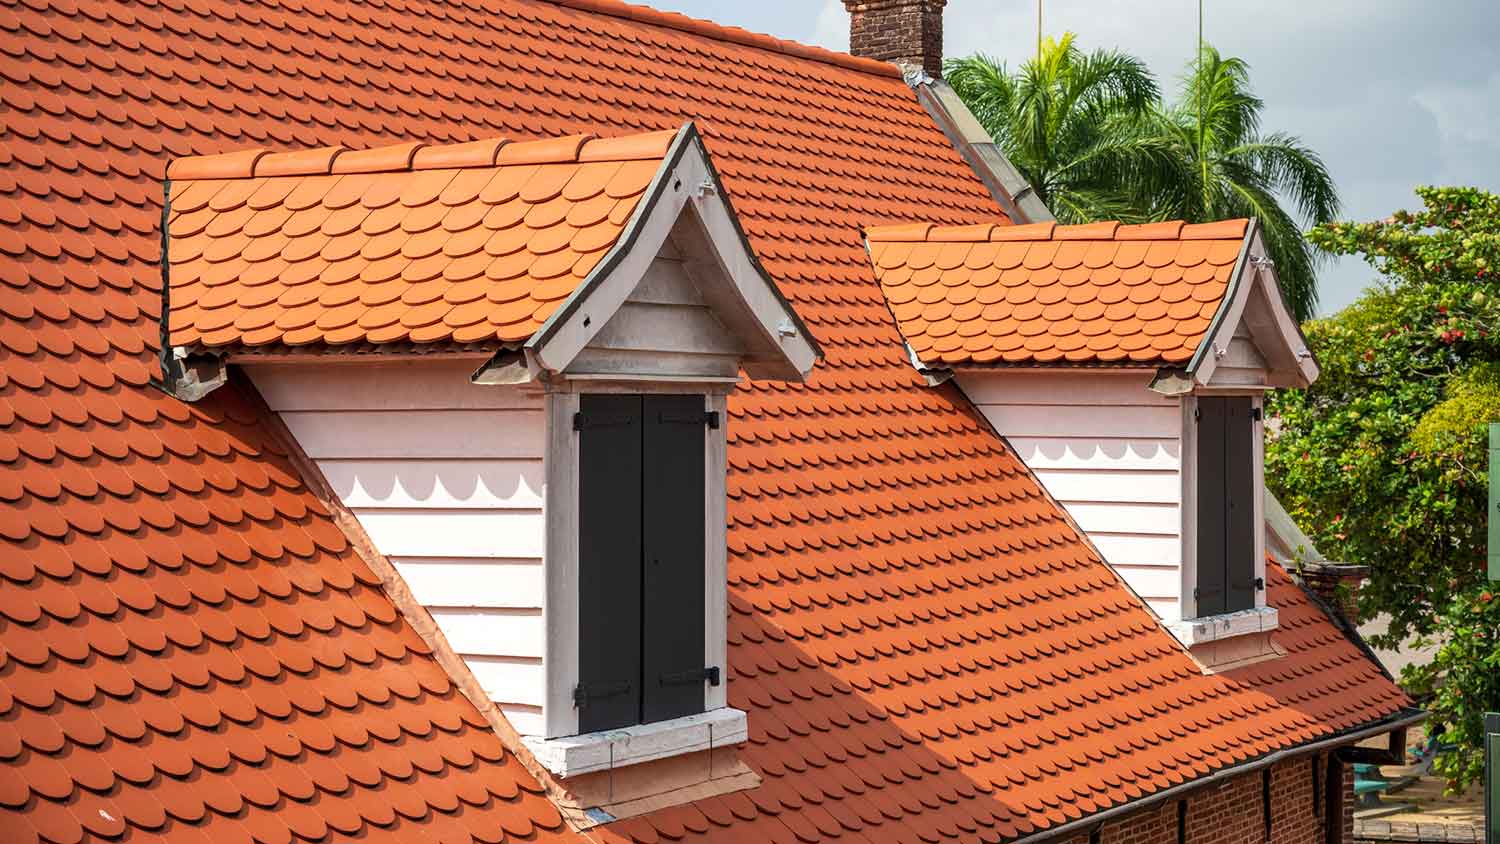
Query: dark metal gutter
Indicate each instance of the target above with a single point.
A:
(1400, 720)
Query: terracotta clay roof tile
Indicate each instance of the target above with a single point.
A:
(924, 645)
(321, 234)
(1058, 277)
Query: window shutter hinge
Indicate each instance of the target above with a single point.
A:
(709, 418)
(1197, 414)
(1196, 593)
(685, 678)
(583, 694)
(1255, 413)
(1260, 584)
(582, 421)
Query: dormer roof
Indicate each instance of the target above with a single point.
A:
(408, 245)
(1053, 295)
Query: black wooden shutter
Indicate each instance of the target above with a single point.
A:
(1211, 594)
(1226, 504)
(672, 654)
(1239, 501)
(609, 562)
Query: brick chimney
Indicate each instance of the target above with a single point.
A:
(1337, 584)
(904, 31)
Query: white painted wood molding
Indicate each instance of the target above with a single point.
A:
(574, 755)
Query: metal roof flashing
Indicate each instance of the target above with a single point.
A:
(1015, 195)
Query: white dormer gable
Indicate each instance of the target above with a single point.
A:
(542, 500)
(1162, 467)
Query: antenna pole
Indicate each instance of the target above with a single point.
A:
(1038, 32)
(1202, 162)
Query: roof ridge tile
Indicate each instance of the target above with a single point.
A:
(225, 165)
(486, 152)
(1167, 230)
(1220, 230)
(1030, 231)
(480, 153)
(732, 34)
(300, 162)
(1102, 230)
(899, 233)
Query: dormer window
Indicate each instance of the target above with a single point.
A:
(641, 559)
(1126, 366)
(510, 362)
(1225, 481)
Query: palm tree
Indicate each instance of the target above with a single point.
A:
(1217, 165)
(1064, 120)
(1091, 136)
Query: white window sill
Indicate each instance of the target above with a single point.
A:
(570, 756)
(1213, 628)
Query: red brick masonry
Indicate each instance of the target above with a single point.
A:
(909, 31)
(1233, 812)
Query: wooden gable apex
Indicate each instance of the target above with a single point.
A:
(1254, 340)
(681, 295)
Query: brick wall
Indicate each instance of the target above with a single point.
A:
(909, 31)
(1232, 812)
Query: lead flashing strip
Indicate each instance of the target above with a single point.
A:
(1015, 196)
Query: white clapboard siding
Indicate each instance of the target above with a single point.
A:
(438, 484)
(492, 633)
(528, 720)
(1079, 389)
(1085, 422)
(1103, 453)
(1139, 549)
(490, 583)
(1109, 450)
(446, 478)
(1112, 485)
(1153, 584)
(405, 385)
(1115, 517)
(467, 434)
(1166, 609)
(499, 534)
(507, 675)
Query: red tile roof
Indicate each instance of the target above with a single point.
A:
(468, 243)
(1044, 294)
(925, 646)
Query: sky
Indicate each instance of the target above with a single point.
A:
(1392, 93)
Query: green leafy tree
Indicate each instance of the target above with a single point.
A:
(1382, 461)
(1214, 163)
(1065, 120)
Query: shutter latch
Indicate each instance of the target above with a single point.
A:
(687, 678)
(600, 420)
(710, 418)
(583, 694)
(1260, 584)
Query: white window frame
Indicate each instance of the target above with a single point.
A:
(561, 604)
(1193, 629)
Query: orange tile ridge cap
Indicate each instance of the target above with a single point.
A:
(1107, 230)
(489, 152)
(736, 35)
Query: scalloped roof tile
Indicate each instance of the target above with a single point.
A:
(1051, 295)
(275, 249)
(189, 648)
